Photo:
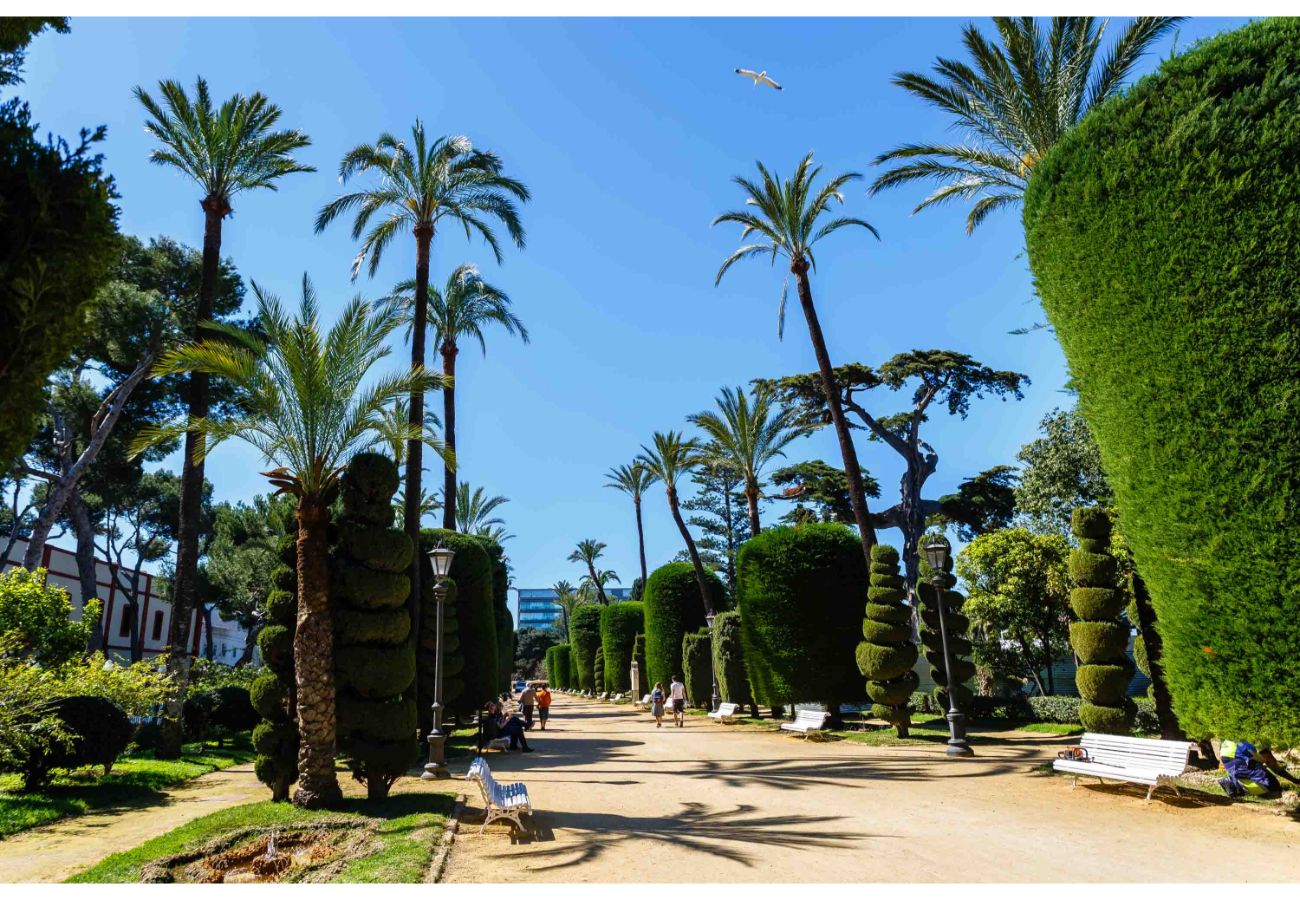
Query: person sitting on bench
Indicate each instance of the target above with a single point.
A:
(511, 728)
(1248, 770)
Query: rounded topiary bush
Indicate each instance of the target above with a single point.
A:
(272, 695)
(887, 653)
(1162, 237)
(472, 596)
(276, 645)
(232, 709)
(97, 733)
(1106, 685)
(729, 660)
(673, 607)
(584, 641)
(801, 593)
(270, 698)
(1098, 642)
(697, 674)
(620, 623)
(1096, 604)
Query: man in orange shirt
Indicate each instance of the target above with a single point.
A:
(543, 703)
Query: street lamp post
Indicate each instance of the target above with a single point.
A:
(716, 699)
(936, 554)
(436, 767)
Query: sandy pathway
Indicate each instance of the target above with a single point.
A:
(56, 851)
(619, 801)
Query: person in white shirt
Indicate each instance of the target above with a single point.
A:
(677, 693)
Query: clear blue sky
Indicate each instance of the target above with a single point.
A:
(628, 133)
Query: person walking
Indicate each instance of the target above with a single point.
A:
(527, 699)
(543, 703)
(657, 704)
(677, 693)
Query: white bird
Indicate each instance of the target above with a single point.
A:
(759, 78)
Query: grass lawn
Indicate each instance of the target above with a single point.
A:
(135, 781)
(408, 826)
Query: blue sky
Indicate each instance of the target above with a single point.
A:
(628, 133)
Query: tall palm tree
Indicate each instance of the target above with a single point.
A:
(474, 510)
(567, 599)
(669, 457)
(593, 584)
(748, 433)
(587, 552)
(463, 308)
(785, 216)
(225, 151)
(1013, 103)
(634, 480)
(417, 186)
(394, 425)
(308, 406)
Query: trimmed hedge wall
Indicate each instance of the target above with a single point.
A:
(695, 664)
(584, 641)
(470, 594)
(504, 622)
(620, 623)
(729, 660)
(887, 654)
(959, 646)
(801, 591)
(1100, 637)
(598, 670)
(558, 675)
(1162, 237)
(273, 695)
(673, 608)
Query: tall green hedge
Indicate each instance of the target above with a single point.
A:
(584, 641)
(560, 676)
(572, 666)
(620, 623)
(504, 622)
(959, 645)
(801, 590)
(1100, 637)
(672, 608)
(471, 597)
(374, 651)
(697, 673)
(887, 653)
(273, 694)
(549, 668)
(1162, 236)
(729, 660)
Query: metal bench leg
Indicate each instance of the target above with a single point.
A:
(1150, 790)
(1074, 782)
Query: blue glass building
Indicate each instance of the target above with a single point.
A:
(537, 608)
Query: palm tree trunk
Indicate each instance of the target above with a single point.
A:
(415, 418)
(313, 661)
(600, 590)
(751, 497)
(857, 494)
(449, 351)
(692, 552)
(640, 539)
(185, 586)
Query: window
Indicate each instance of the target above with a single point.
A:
(125, 629)
(157, 625)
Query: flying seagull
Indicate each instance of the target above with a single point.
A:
(759, 78)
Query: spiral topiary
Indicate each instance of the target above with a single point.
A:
(887, 654)
(1100, 637)
(959, 646)
(598, 670)
(374, 653)
(273, 695)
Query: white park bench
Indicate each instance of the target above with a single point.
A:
(807, 721)
(502, 801)
(1137, 760)
(725, 712)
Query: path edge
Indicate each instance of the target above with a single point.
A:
(439, 862)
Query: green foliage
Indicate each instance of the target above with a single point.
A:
(1060, 471)
(620, 623)
(276, 738)
(563, 673)
(638, 653)
(16, 32)
(1161, 235)
(93, 732)
(1096, 603)
(471, 594)
(672, 608)
(887, 654)
(696, 673)
(825, 488)
(729, 659)
(58, 238)
(798, 590)
(276, 644)
(598, 670)
(584, 641)
(959, 647)
(532, 645)
(270, 698)
(36, 618)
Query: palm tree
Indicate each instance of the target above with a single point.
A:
(634, 480)
(588, 552)
(785, 215)
(567, 599)
(474, 510)
(671, 457)
(1013, 104)
(307, 406)
(225, 151)
(594, 584)
(417, 187)
(464, 306)
(748, 434)
(394, 424)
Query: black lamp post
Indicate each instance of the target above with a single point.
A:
(716, 699)
(436, 767)
(936, 551)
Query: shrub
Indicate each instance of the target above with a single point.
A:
(277, 765)
(799, 591)
(673, 607)
(1161, 233)
(563, 667)
(959, 648)
(598, 670)
(503, 622)
(729, 660)
(196, 715)
(374, 655)
(1058, 708)
(96, 732)
(696, 673)
(887, 655)
(36, 618)
(584, 641)
(620, 623)
(1105, 670)
(472, 597)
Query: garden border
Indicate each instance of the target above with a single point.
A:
(438, 864)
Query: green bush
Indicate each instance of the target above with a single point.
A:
(887, 654)
(270, 698)
(503, 622)
(36, 618)
(697, 675)
(1097, 643)
(471, 570)
(271, 695)
(800, 590)
(729, 660)
(1161, 233)
(385, 549)
(584, 641)
(1096, 603)
(620, 623)
(97, 733)
(276, 645)
(598, 670)
(959, 647)
(364, 588)
(1105, 684)
(1058, 708)
(1113, 719)
(673, 607)
(563, 667)
(358, 626)
(196, 715)
(282, 606)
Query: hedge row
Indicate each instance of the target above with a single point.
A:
(470, 587)
(584, 641)
(696, 671)
(729, 660)
(620, 623)
(673, 607)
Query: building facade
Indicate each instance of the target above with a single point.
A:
(537, 607)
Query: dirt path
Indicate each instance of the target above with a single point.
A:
(56, 851)
(620, 801)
